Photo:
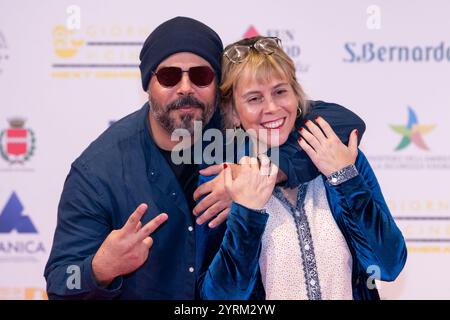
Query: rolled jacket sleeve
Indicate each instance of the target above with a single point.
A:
(374, 235)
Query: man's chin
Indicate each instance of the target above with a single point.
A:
(188, 125)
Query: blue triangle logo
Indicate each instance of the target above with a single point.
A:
(12, 218)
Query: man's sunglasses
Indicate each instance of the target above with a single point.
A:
(201, 76)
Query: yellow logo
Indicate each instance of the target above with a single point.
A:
(35, 294)
(22, 293)
(65, 43)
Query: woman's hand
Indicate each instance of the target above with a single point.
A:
(325, 148)
(253, 184)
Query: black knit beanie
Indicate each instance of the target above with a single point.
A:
(179, 34)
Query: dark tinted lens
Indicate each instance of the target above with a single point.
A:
(201, 76)
(169, 76)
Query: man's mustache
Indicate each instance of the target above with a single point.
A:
(185, 101)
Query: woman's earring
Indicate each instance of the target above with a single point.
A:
(299, 111)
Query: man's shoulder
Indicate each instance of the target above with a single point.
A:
(121, 135)
(336, 114)
(313, 104)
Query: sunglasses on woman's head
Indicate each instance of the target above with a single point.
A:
(239, 52)
(201, 76)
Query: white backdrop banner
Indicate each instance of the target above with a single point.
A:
(70, 68)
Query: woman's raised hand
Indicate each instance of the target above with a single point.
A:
(254, 182)
(325, 148)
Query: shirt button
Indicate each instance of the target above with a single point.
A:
(191, 269)
(190, 228)
(152, 175)
(173, 194)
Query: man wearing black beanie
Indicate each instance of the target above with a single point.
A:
(111, 239)
(180, 34)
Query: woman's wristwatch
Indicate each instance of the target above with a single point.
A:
(342, 175)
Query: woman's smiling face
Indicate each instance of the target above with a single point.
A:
(266, 108)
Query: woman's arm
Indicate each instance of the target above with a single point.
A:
(357, 199)
(367, 220)
(231, 274)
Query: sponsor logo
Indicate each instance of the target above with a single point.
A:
(12, 217)
(17, 143)
(19, 238)
(288, 40)
(412, 132)
(66, 43)
(412, 158)
(97, 51)
(18, 293)
(370, 52)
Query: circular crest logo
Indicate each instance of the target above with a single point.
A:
(17, 143)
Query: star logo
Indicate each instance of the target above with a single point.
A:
(412, 132)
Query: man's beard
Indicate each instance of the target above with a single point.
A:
(170, 122)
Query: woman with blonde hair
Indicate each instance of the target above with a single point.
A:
(323, 239)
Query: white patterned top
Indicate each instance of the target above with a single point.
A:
(304, 254)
